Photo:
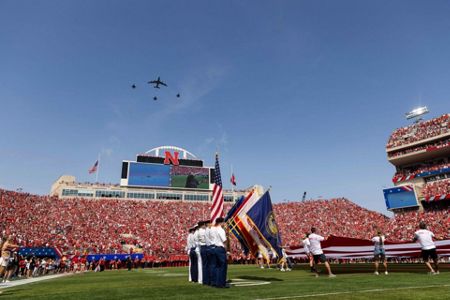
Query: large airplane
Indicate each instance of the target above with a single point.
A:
(157, 82)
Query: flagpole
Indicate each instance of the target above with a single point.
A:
(98, 168)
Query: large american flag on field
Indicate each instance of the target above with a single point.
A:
(217, 205)
(347, 248)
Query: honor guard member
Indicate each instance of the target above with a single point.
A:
(316, 250)
(199, 237)
(207, 271)
(203, 249)
(193, 265)
(212, 261)
(219, 239)
(425, 239)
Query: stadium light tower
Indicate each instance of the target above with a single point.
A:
(417, 113)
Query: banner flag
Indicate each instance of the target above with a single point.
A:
(347, 248)
(262, 219)
(252, 222)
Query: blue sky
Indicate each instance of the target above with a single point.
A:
(299, 95)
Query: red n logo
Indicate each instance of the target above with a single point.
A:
(171, 159)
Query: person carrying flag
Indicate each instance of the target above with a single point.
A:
(317, 252)
(306, 248)
(379, 252)
(425, 239)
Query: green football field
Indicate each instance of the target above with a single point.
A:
(353, 281)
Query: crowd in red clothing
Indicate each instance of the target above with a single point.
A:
(403, 225)
(160, 228)
(339, 217)
(436, 188)
(419, 131)
(99, 226)
(421, 169)
(429, 147)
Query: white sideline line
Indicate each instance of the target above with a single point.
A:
(353, 292)
(31, 280)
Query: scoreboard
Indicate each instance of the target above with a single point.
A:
(400, 197)
(140, 174)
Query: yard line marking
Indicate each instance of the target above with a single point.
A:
(172, 275)
(153, 271)
(31, 280)
(351, 292)
(253, 283)
(247, 282)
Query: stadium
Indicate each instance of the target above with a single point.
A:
(80, 228)
(254, 150)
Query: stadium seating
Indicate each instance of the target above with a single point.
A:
(440, 187)
(427, 147)
(160, 228)
(419, 131)
(411, 171)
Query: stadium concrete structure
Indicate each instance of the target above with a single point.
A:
(166, 173)
(421, 156)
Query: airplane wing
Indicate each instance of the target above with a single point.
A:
(162, 83)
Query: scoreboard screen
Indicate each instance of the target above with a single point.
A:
(148, 175)
(160, 175)
(400, 197)
(189, 177)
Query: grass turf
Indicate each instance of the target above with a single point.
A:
(354, 281)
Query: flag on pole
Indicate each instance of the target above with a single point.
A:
(252, 221)
(94, 168)
(217, 205)
(262, 220)
(233, 179)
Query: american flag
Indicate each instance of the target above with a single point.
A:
(217, 205)
(345, 248)
(233, 179)
(94, 168)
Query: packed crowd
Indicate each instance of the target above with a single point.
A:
(159, 229)
(296, 218)
(403, 225)
(99, 226)
(419, 131)
(435, 188)
(429, 167)
(429, 147)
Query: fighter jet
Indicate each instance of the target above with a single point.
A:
(157, 82)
